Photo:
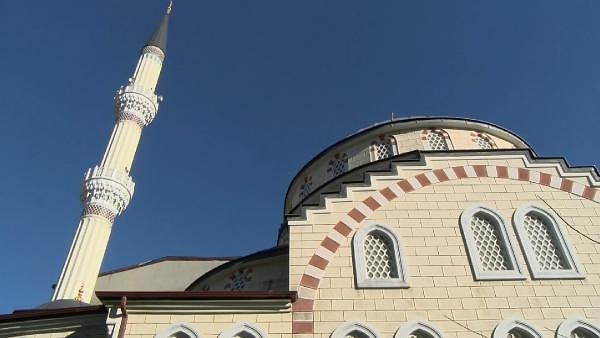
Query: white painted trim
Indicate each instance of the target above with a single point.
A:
(478, 273)
(561, 243)
(571, 324)
(502, 330)
(348, 327)
(176, 328)
(417, 325)
(358, 255)
(243, 327)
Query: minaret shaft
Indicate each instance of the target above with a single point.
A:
(108, 188)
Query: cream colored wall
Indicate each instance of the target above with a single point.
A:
(275, 325)
(440, 279)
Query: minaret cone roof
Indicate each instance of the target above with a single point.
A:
(159, 37)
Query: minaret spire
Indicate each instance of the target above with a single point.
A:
(107, 188)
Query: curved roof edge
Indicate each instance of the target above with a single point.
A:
(167, 258)
(404, 120)
(274, 251)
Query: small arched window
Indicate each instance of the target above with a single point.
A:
(354, 330)
(418, 329)
(488, 244)
(515, 329)
(383, 148)
(337, 165)
(547, 251)
(179, 331)
(377, 258)
(435, 139)
(243, 330)
(483, 141)
(577, 328)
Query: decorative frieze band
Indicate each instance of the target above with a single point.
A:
(136, 104)
(106, 192)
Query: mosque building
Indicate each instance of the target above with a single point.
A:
(432, 227)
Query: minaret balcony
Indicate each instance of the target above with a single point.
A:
(136, 103)
(108, 190)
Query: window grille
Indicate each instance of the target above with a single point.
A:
(417, 329)
(482, 142)
(437, 141)
(583, 333)
(353, 330)
(383, 150)
(338, 165)
(488, 244)
(516, 333)
(379, 257)
(575, 327)
(515, 328)
(545, 246)
(306, 187)
(491, 250)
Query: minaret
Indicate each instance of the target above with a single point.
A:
(108, 188)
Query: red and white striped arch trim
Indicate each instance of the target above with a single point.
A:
(317, 265)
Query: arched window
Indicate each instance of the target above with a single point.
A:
(418, 329)
(337, 165)
(488, 244)
(577, 328)
(435, 139)
(546, 248)
(243, 330)
(384, 147)
(353, 330)
(515, 329)
(483, 141)
(377, 258)
(179, 331)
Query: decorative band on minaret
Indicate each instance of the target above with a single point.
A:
(107, 188)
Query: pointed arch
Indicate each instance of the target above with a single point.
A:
(355, 330)
(436, 139)
(377, 256)
(418, 328)
(181, 330)
(576, 327)
(243, 330)
(515, 328)
(547, 250)
(383, 147)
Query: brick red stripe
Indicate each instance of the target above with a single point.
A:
(309, 281)
(302, 304)
(342, 228)
(423, 180)
(330, 244)
(523, 174)
(372, 203)
(589, 193)
(319, 262)
(441, 175)
(406, 186)
(302, 327)
(388, 194)
(502, 171)
(545, 179)
(356, 215)
(480, 170)
(460, 172)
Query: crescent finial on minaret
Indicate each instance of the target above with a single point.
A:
(170, 7)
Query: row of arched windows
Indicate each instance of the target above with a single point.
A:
(378, 262)
(239, 330)
(570, 328)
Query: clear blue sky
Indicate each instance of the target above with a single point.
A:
(254, 89)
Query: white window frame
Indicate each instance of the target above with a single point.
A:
(176, 328)
(243, 327)
(385, 139)
(362, 280)
(566, 328)
(409, 328)
(442, 132)
(348, 327)
(573, 272)
(472, 250)
(502, 330)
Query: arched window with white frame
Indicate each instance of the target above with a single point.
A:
(483, 141)
(378, 258)
(181, 330)
(436, 139)
(515, 328)
(337, 165)
(577, 328)
(383, 148)
(489, 247)
(418, 329)
(243, 330)
(547, 250)
(354, 330)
